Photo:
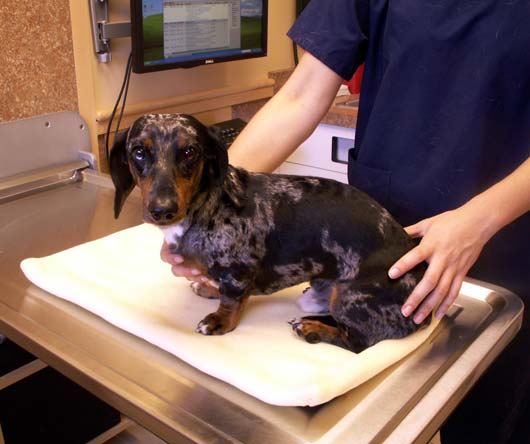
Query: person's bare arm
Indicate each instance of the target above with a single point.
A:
(277, 130)
(452, 242)
(288, 118)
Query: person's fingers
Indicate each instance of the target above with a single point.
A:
(193, 275)
(427, 284)
(175, 259)
(408, 262)
(164, 251)
(189, 273)
(168, 257)
(438, 294)
(451, 296)
(416, 230)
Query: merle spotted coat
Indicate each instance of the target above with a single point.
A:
(259, 233)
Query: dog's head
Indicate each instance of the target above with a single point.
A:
(172, 158)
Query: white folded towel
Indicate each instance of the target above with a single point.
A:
(122, 279)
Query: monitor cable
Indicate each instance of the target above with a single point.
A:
(123, 92)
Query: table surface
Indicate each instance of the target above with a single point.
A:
(406, 403)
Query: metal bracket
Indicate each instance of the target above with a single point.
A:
(90, 158)
(103, 31)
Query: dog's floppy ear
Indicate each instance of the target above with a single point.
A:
(216, 157)
(120, 172)
(217, 169)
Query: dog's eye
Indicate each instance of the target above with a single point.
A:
(139, 153)
(189, 151)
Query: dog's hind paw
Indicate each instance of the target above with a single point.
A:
(315, 329)
(307, 330)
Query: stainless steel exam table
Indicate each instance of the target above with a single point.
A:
(48, 208)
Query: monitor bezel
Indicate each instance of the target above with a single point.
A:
(137, 41)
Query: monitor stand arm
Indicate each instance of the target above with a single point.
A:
(103, 31)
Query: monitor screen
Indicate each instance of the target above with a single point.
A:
(169, 34)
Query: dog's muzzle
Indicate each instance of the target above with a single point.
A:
(163, 211)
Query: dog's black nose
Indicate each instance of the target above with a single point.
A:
(164, 211)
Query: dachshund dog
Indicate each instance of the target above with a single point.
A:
(259, 233)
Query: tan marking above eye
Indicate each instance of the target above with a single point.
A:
(183, 142)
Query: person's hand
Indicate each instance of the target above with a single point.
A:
(451, 243)
(180, 268)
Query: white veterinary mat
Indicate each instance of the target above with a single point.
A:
(122, 279)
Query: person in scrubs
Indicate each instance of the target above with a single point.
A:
(442, 141)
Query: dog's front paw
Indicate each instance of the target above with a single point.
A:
(214, 324)
(204, 290)
(307, 329)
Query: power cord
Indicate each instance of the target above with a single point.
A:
(123, 92)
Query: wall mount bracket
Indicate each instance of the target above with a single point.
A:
(103, 31)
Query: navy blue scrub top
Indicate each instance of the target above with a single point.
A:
(444, 111)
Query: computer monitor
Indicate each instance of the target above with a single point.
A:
(169, 34)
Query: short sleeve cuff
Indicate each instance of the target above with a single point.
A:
(332, 34)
